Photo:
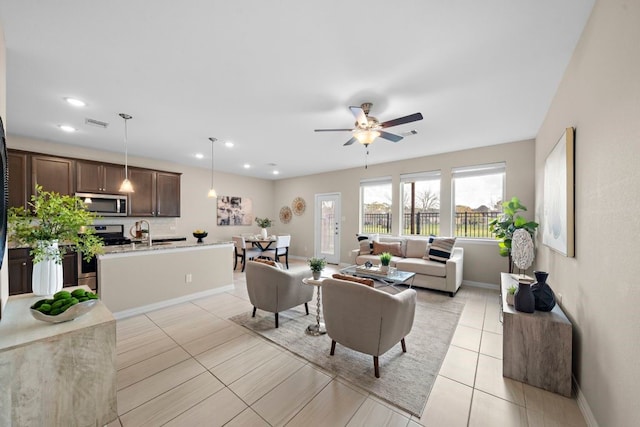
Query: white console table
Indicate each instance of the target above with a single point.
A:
(537, 346)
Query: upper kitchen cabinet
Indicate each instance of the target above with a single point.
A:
(18, 179)
(168, 194)
(155, 193)
(53, 174)
(93, 177)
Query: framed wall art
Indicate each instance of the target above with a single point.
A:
(234, 210)
(558, 209)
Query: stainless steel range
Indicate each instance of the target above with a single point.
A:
(112, 234)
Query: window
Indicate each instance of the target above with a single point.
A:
(420, 195)
(375, 204)
(478, 192)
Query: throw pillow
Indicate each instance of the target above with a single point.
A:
(366, 242)
(441, 248)
(267, 261)
(416, 248)
(363, 281)
(394, 248)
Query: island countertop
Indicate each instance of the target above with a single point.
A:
(140, 247)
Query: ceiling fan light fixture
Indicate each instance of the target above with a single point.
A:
(366, 137)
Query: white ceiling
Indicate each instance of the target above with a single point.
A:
(265, 74)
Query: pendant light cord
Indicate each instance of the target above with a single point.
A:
(126, 151)
(213, 140)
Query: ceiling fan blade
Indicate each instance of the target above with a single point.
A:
(361, 117)
(349, 142)
(390, 136)
(332, 130)
(402, 120)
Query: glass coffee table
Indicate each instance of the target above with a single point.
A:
(392, 278)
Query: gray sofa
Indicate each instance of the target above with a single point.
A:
(430, 274)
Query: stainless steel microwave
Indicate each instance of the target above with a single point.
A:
(105, 204)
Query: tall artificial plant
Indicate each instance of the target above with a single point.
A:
(53, 217)
(506, 224)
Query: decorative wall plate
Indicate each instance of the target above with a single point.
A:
(298, 205)
(285, 214)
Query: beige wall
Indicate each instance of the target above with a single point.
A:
(197, 211)
(482, 262)
(600, 96)
(4, 275)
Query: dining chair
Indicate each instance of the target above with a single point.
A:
(242, 252)
(281, 249)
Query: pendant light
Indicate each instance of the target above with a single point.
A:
(126, 186)
(212, 192)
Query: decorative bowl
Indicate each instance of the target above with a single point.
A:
(200, 236)
(67, 315)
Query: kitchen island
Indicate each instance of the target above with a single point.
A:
(138, 278)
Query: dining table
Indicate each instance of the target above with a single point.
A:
(260, 242)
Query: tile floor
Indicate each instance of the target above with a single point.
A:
(187, 365)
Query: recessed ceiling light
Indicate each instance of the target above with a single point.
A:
(199, 156)
(67, 128)
(76, 102)
(276, 172)
(246, 165)
(228, 144)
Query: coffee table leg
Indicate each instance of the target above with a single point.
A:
(318, 327)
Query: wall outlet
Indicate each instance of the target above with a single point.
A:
(188, 278)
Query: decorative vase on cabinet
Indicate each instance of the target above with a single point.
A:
(523, 300)
(545, 300)
(47, 275)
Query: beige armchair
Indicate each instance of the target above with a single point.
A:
(366, 319)
(275, 290)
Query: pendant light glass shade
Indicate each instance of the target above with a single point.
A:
(212, 192)
(126, 186)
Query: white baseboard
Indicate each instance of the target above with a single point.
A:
(483, 285)
(155, 306)
(584, 405)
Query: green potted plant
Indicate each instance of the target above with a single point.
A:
(385, 259)
(506, 224)
(317, 265)
(263, 223)
(51, 226)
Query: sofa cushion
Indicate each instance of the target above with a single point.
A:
(394, 248)
(361, 280)
(416, 248)
(440, 249)
(422, 266)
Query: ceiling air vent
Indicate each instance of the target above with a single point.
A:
(98, 123)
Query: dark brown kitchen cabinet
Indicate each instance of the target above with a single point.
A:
(21, 270)
(53, 174)
(155, 193)
(93, 177)
(18, 179)
(167, 194)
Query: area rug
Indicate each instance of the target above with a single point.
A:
(405, 379)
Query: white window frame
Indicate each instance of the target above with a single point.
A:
(371, 182)
(469, 172)
(413, 177)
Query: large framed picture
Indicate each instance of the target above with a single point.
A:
(234, 210)
(558, 210)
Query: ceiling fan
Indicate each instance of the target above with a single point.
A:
(368, 128)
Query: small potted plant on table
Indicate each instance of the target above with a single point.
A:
(263, 223)
(385, 259)
(317, 265)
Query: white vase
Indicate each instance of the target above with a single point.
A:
(316, 274)
(384, 268)
(263, 233)
(47, 278)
